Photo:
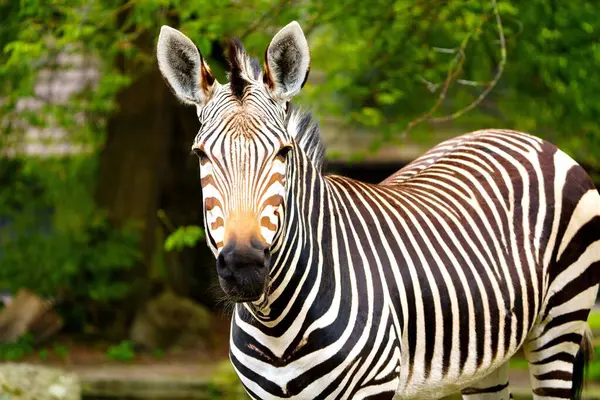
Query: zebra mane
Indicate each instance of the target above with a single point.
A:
(243, 69)
(307, 134)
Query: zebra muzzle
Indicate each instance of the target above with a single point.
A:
(243, 270)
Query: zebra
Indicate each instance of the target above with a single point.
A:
(415, 288)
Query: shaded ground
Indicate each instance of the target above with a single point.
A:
(188, 373)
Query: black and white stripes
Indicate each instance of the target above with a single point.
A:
(418, 287)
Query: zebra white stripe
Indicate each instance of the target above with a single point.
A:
(421, 286)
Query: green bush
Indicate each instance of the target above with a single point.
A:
(17, 350)
(53, 240)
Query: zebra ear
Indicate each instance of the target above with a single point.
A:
(287, 62)
(183, 68)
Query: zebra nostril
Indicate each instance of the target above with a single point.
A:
(237, 257)
(222, 270)
(221, 261)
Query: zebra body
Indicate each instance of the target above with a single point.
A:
(449, 263)
(418, 287)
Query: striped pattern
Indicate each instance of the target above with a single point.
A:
(429, 282)
(242, 173)
(418, 287)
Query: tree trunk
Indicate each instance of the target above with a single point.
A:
(132, 167)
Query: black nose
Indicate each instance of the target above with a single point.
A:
(236, 257)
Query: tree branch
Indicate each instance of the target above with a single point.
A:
(492, 83)
(454, 71)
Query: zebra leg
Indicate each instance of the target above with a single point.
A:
(492, 387)
(557, 359)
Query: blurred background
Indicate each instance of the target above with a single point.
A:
(107, 289)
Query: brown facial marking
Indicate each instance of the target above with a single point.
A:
(266, 222)
(276, 178)
(210, 203)
(217, 224)
(207, 180)
(274, 201)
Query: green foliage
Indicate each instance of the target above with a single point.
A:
(43, 354)
(124, 351)
(56, 241)
(387, 62)
(553, 74)
(594, 322)
(60, 350)
(53, 238)
(24, 347)
(386, 65)
(184, 236)
(593, 372)
(16, 351)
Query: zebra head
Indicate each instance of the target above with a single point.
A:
(243, 145)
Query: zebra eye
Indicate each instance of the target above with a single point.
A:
(201, 155)
(283, 152)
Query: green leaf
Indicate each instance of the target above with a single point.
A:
(184, 236)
